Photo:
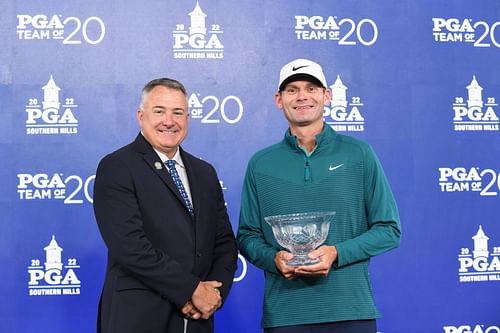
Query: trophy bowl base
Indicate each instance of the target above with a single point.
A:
(302, 260)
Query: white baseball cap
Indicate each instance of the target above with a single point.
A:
(301, 69)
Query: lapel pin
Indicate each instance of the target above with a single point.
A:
(158, 165)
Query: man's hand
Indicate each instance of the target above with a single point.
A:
(280, 260)
(327, 254)
(190, 311)
(206, 298)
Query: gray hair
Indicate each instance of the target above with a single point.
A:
(165, 82)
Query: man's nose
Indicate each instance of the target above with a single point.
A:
(168, 118)
(302, 94)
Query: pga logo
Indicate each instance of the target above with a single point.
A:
(40, 186)
(459, 174)
(479, 264)
(316, 22)
(197, 41)
(485, 181)
(52, 277)
(452, 25)
(39, 22)
(43, 186)
(44, 27)
(339, 113)
(474, 113)
(198, 35)
(477, 34)
(41, 180)
(470, 329)
(50, 116)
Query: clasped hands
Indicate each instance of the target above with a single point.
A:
(205, 301)
(326, 254)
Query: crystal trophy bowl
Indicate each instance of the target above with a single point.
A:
(300, 234)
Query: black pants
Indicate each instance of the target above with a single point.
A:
(354, 326)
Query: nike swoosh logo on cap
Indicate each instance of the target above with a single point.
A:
(298, 67)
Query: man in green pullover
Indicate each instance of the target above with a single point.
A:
(315, 169)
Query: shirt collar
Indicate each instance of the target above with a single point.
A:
(177, 157)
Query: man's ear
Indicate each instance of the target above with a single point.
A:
(277, 100)
(327, 97)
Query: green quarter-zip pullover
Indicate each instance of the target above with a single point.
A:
(341, 174)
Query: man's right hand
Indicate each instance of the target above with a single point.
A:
(190, 311)
(280, 260)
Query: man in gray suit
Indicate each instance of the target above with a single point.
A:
(171, 249)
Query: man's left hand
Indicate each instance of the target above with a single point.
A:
(327, 256)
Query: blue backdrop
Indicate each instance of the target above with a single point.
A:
(419, 80)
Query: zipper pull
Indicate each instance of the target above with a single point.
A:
(307, 173)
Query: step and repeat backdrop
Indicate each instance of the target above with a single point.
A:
(418, 79)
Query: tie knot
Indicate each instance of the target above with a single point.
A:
(170, 163)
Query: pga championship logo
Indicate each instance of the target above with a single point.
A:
(196, 41)
(474, 114)
(341, 115)
(50, 116)
(458, 30)
(52, 277)
(69, 30)
(215, 110)
(486, 182)
(71, 189)
(479, 264)
(343, 31)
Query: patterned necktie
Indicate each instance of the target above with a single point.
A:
(177, 180)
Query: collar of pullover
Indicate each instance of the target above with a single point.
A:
(322, 138)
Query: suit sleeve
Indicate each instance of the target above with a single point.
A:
(120, 223)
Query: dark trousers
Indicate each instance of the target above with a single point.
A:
(354, 326)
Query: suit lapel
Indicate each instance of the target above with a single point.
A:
(152, 159)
